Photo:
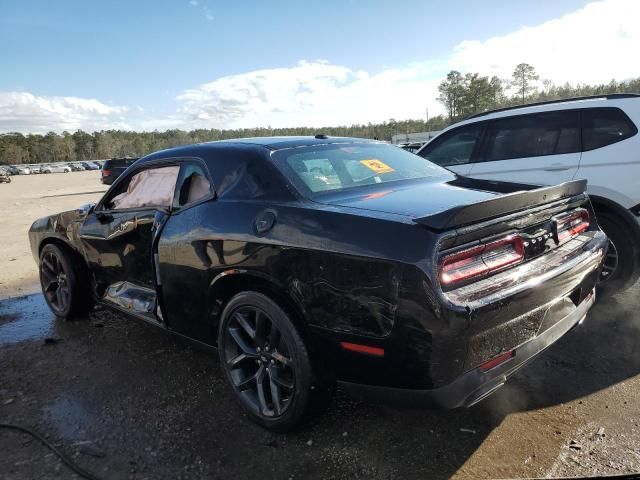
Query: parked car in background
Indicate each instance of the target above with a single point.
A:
(308, 260)
(23, 170)
(4, 175)
(78, 167)
(113, 168)
(90, 166)
(592, 138)
(12, 170)
(56, 168)
(35, 169)
(411, 147)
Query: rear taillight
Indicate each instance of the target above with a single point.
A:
(499, 360)
(572, 224)
(481, 260)
(106, 173)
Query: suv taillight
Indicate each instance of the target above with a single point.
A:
(481, 260)
(106, 173)
(572, 224)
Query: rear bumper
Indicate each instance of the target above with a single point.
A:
(474, 385)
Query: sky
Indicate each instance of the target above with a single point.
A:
(153, 65)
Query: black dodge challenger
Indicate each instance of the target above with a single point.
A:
(312, 260)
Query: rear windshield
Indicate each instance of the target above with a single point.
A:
(321, 168)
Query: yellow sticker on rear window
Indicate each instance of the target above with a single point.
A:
(377, 165)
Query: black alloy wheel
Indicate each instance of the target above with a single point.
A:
(610, 263)
(265, 361)
(55, 285)
(65, 289)
(621, 267)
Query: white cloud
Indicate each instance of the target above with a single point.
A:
(310, 93)
(25, 112)
(194, 3)
(591, 45)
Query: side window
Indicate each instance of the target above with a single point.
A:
(601, 127)
(455, 147)
(193, 185)
(532, 136)
(151, 187)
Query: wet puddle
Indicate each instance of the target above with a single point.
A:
(69, 417)
(24, 318)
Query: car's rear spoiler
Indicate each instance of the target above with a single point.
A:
(499, 206)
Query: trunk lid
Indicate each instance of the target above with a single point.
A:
(414, 199)
(448, 205)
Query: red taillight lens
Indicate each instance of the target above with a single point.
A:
(481, 260)
(572, 224)
(499, 360)
(106, 173)
(366, 349)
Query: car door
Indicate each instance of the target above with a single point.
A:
(187, 254)
(541, 149)
(456, 148)
(119, 236)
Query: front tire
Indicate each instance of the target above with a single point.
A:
(65, 289)
(620, 269)
(265, 361)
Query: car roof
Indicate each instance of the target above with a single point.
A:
(594, 101)
(270, 143)
(551, 103)
(278, 143)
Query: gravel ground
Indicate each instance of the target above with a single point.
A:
(128, 401)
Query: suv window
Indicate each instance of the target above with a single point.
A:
(454, 147)
(193, 185)
(536, 135)
(604, 126)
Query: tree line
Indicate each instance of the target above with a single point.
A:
(460, 94)
(16, 148)
(468, 94)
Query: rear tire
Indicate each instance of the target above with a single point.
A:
(620, 269)
(265, 361)
(64, 287)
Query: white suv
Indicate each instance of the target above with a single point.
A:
(592, 138)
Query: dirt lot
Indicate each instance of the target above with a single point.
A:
(23, 200)
(126, 400)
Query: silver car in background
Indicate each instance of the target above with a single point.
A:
(56, 168)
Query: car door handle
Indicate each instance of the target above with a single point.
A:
(557, 167)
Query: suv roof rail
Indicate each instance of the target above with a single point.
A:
(607, 96)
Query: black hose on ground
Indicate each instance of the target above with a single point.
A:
(79, 470)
